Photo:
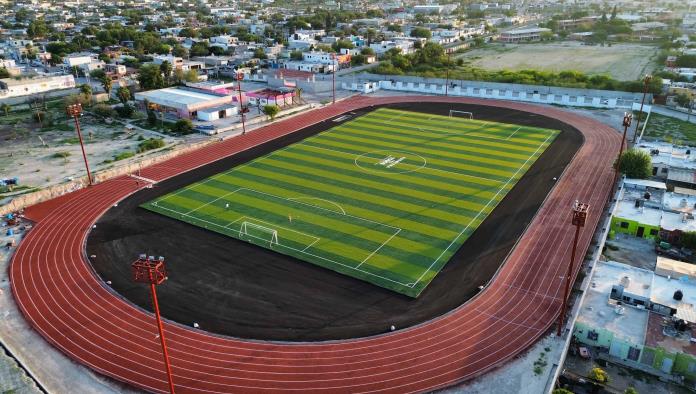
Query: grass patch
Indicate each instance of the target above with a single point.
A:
(671, 130)
(123, 156)
(150, 144)
(60, 155)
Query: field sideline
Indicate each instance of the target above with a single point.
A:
(387, 197)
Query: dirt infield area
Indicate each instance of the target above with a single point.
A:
(625, 62)
(234, 288)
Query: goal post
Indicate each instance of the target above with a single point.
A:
(259, 232)
(461, 114)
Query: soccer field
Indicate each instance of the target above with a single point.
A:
(387, 197)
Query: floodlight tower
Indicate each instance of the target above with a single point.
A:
(646, 82)
(447, 73)
(147, 269)
(628, 118)
(240, 76)
(75, 110)
(333, 76)
(579, 211)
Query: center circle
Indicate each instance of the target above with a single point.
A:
(389, 161)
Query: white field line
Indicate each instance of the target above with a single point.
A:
(484, 207)
(407, 164)
(380, 247)
(513, 133)
(294, 249)
(343, 211)
(317, 239)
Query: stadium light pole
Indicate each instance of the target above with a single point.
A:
(646, 83)
(579, 211)
(240, 76)
(152, 271)
(75, 110)
(628, 117)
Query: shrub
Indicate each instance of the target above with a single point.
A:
(104, 110)
(150, 144)
(125, 111)
(123, 156)
(61, 155)
(635, 163)
(598, 375)
(182, 126)
(271, 111)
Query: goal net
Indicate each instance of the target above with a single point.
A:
(461, 114)
(258, 232)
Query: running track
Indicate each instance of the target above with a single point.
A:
(68, 305)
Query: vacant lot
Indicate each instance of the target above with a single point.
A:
(623, 62)
(670, 130)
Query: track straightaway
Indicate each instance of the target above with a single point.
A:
(59, 294)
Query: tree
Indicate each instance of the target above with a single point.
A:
(200, 49)
(4, 73)
(367, 51)
(107, 84)
(296, 55)
(357, 60)
(104, 110)
(342, 44)
(271, 110)
(599, 375)
(561, 391)
(683, 100)
(182, 126)
(150, 77)
(635, 163)
(97, 74)
(86, 90)
(180, 51)
(191, 76)
(546, 36)
(630, 390)
(613, 13)
(166, 69)
(6, 108)
(123, 94)
(37, 28)
(259, 53)
(421, 32)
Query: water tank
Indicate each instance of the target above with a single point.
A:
(637, 203)
(678, 295)
(625, 281)
(682, 203)
(646, 195)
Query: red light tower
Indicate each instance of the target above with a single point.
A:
(150, 270)
(333, 78)
(579, 216)
(75, 110)
(646, 83)
(240, 76)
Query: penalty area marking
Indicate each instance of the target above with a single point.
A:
(343, 211)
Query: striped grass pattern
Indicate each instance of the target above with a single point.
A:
(387, 197)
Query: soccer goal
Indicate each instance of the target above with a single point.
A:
(261, 233)
(461, 114)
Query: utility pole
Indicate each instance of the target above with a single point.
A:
(628, 117)
(75, 110)
(152, 271)
(240, 76)
(646, 83)
(579, 215)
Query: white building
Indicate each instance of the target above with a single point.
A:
(78, 59)
(522, 35)
(10, 87)
(224, 42)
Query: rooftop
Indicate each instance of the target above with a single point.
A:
(597, 311)
(178, 95)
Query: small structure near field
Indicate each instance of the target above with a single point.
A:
(188, 103)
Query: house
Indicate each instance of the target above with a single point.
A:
(11, 87)
(639, 209)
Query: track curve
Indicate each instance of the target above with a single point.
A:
(63, 299)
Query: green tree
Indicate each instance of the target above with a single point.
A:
(683, 100)
(271, 110)
(200, 49)
(630, 390)
(259, 53)
(107, 84)
(598, 375)
(296, 55)
(86, 90)
(4, 73)
(123, 94)
(6, 108)
(166, 70)
(150, 77)
(183, 126)
(561, 391)
(180, 51)
(97, 74)
(635, 163)
(342, 44)
(421, 32)
(191, 76)
(37, 28)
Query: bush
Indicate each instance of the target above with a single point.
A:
(182, 126)
(61, 155)
(598, 375)
(635, 163)
(125, 111)
(123, 156)
(43, 117)
(104, 110)
(271, 111)
(150, 144)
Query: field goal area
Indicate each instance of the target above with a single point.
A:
(461, 114)
(257, 231)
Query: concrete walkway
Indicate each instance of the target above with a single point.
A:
(658, 109)
(54, 372)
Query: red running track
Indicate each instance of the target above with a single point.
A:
(65, 301)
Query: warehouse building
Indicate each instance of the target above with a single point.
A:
(14, 87)
(188, 103)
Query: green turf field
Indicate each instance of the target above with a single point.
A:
(387, 197)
